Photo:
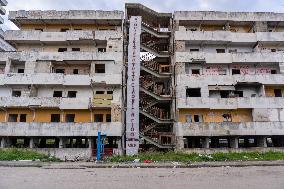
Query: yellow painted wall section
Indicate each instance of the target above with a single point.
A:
(269, 90)
(239, 115)
(44, 115)
(2, 116)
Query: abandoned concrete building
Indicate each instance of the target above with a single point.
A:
(208, 80)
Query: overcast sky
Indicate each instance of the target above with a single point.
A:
(159, 5)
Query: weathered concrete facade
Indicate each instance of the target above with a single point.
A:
(229, 81)
(208, 80)
(64, 82)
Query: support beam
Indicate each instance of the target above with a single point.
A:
(180, 143)
(261, 142)
(234, 143)
(205, 142)
(32, 143)
(91, 142)
(62, 142)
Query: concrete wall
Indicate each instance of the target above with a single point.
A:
(230, 129)
(67, 154)
(60, 129)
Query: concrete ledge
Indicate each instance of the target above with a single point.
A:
(37, 129)
(230, 129)
(67, 154)
(230, 150)
(86, 165)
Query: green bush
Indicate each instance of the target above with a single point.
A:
(20, 154)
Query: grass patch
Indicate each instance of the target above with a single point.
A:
(23, 154)
(183, 157)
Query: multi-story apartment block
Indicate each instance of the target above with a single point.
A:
(211, 80)
(4, 46)
(64, 83)
(229, 79)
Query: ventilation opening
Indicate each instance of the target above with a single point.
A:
(194, 50)
(193, 92)
(197, 118)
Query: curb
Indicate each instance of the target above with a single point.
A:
(86, 165)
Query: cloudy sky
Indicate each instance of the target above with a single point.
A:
(159, 5)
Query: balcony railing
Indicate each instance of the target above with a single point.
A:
(230, 129)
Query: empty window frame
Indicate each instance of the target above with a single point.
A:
(188, 118)
(23, 117)
(236, 71)
(109, 92)
(100, 68)
(72, 94)
(57, 94)
(194, 50)
(75, 71)
(198, 118)
(64, 29)
(76, 49)
(62, 71)
(62, 49)
(55, 118)
(278, 93)
(100, 92)
(227, 117)
(99, 117)
(108, 117)
(13, 118)
(193, 92)
(16, 93)
(220, 50)
(273, 72)
(239, 93)
(195, 71)
(70, 118)
(21, 70)
(101, 49)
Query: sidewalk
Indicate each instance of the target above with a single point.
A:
(84, 165)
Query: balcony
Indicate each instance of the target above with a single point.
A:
(61, 56)
(37, 129)
(231, 103)
(205, 80)
(228, 58)
(45, 102)
(224, 37)
(70, 36)
(59, 79)
(230, 129)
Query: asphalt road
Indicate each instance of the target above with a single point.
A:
(136, 178)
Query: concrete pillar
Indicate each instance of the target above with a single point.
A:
(180, 143)
(205, 142)
(234, 143)
(62, 142)
(91, 143)
(32, 143)
(261, 142)
(8, 66)
(5, 142)
(119, 143)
